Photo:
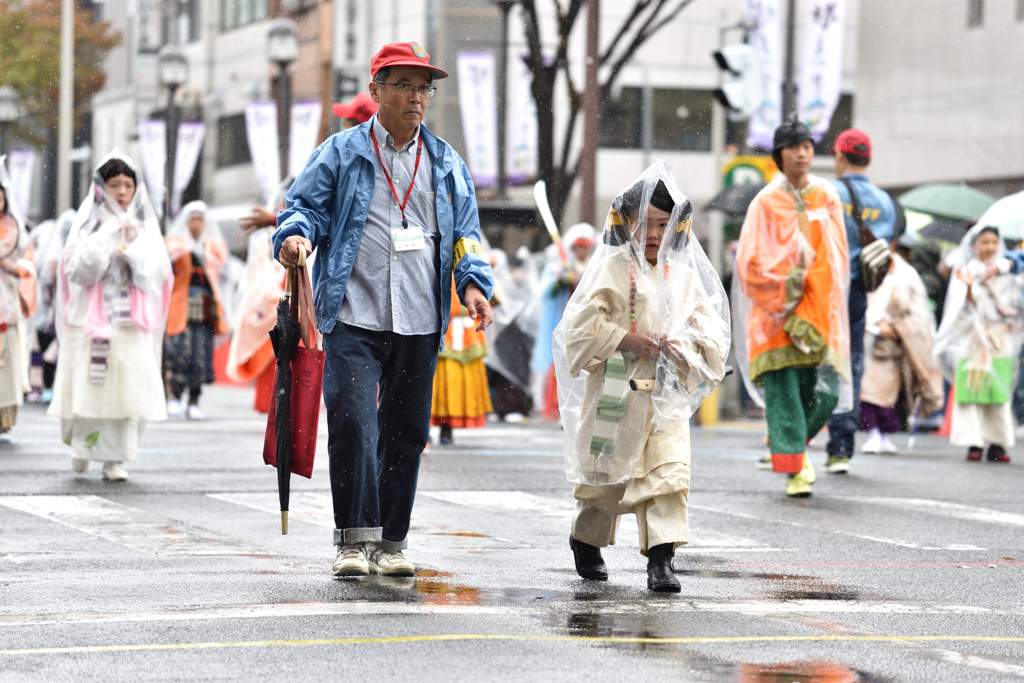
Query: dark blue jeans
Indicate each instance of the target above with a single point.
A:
(378, 388)
(842, 427)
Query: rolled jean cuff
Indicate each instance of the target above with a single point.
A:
(353, 536)
(392, 546)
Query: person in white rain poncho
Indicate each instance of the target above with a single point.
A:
(196, 312)
(977, 346)
(47, 260)
(113, 286)
(17, 302)
(643, 341)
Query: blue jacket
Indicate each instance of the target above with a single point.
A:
(329, 202)
(877, 212)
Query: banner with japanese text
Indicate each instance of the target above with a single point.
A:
(477, 104)
(821, 63)
(765, 37)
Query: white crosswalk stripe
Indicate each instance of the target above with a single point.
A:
(128, 526)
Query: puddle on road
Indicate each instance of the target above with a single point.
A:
(802, 672)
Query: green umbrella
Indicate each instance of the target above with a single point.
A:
(943, 200)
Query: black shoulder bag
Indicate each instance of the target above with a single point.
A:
(875, 257)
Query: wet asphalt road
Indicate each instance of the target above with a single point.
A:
(908, 569)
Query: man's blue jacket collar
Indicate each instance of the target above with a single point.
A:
(360, 144)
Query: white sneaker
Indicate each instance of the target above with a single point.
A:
(351, 560)
(174, 408)
(873, 444)
(194, 413)
(112, 471)
(887, 446)
(389, 564)
(79, 464)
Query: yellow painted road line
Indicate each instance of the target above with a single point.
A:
(472, 636)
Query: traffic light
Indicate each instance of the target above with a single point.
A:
(741, 94)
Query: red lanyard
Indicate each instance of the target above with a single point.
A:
(401, 204)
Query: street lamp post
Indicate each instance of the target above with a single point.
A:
(10, 110)
(283, 49)
(505, 6)
(172, 67)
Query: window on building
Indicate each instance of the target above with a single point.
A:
(842, 118)
(976, 12)
(680, 118)
(236, 13)
(188, 21)
(232, 146)
(620, 120)
(1020, 10)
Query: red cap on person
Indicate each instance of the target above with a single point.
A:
(853, 141)
(360, 108)
(403, 54)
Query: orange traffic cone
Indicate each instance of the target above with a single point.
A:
(947, 422)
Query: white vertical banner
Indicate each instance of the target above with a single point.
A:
(190, 143)
(20, 164)
(305, 130)
(477, 105)
(153, 150)
(765, 37)
(261, 133)
(821, 63)
(521, 141)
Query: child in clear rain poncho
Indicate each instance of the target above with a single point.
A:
(977, 346)
(17, 302)
(643, 341)
(196, 314)
(113, 285)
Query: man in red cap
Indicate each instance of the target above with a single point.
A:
(358, 110)
(391, 210)
(877, 211)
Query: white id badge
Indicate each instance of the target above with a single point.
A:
(408, 239)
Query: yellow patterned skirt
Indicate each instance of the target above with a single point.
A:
(461, 396)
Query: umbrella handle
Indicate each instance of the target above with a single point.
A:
(284, 522)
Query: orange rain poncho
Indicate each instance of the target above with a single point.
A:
(791, 285)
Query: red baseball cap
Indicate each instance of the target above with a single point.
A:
(360, 108)
(403, 54)
(853, 141)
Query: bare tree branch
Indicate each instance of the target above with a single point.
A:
(643, 33)
(638, 9)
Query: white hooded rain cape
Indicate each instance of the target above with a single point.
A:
(113, 285)
(681, 301)
(980, 337)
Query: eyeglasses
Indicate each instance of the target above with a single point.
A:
(407, 88)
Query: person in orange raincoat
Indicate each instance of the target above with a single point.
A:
(461, 396)
(198, 252)
(789, 305)
(17, 303)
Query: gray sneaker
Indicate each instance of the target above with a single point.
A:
(351, 560)
(389, 564)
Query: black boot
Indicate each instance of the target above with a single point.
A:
(660, 577)
(589, 563)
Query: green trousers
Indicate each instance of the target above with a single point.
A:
(799, 401)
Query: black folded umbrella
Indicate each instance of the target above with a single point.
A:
(947, 231)
(285, 339)
(734, 200)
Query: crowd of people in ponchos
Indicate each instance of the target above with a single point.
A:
(114, 326)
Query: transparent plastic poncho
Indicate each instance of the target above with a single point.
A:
(790, 288)
(980, 337)
(114, 271)
(48, 252)
(18, 271)
(680, 301)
